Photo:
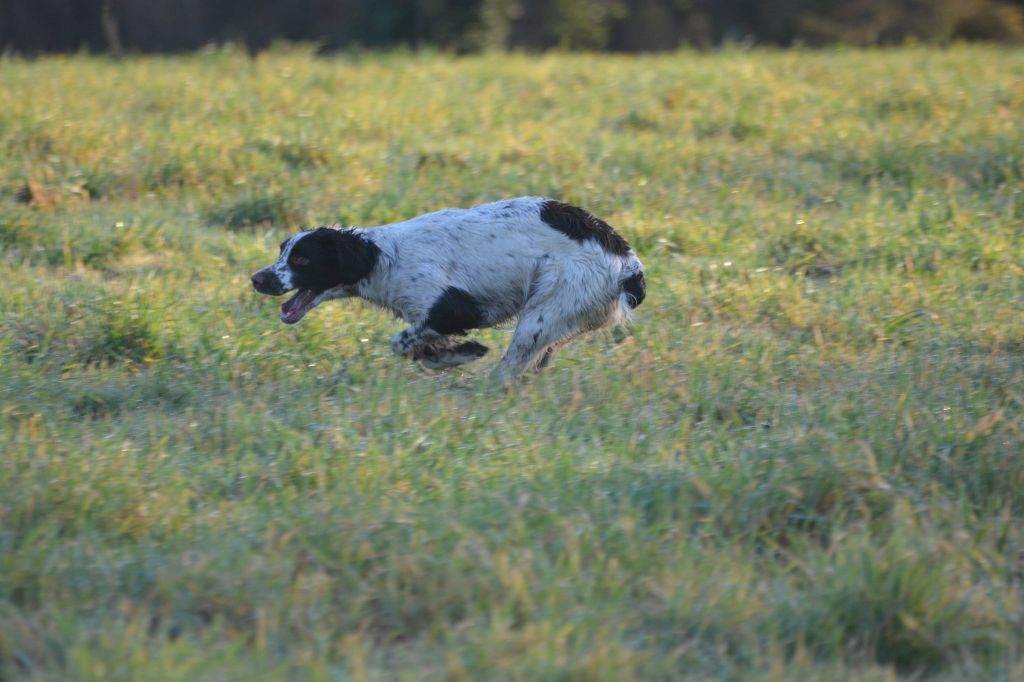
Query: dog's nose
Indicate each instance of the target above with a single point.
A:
(266, 282)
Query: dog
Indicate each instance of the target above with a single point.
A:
(554, 267)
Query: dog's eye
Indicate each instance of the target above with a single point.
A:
(299, 260)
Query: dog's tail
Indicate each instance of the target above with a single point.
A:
(633, 286)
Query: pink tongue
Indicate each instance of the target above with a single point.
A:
(298, 305)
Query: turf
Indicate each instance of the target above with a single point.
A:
(803, 460)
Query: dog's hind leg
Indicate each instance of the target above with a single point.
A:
(548, 354)
(541, 331)
(547, 325)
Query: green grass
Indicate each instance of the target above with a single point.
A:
(802, 461)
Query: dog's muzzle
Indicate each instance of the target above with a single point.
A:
(267, 282)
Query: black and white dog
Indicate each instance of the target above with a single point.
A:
(555, 267)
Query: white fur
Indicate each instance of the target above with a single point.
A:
(280, 268)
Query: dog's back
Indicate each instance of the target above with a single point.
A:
(504, 252)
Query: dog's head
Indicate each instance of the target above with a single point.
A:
(319, 265)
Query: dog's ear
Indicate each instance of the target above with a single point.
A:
(355, 255)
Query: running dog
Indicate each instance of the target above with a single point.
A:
(554, 267)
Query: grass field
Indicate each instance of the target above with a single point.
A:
(802, 461)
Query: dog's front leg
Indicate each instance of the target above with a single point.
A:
(435, 350)
(409, 341)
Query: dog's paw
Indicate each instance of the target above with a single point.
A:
(460, 354)
(504, 377)
(404, 343)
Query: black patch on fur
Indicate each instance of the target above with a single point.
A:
(335, 257)
(455, 312)
(635, 288)
(579, 225)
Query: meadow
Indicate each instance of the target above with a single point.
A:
(803, 460)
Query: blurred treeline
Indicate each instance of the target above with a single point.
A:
(32, 26)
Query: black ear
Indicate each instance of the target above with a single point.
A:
(356, 256)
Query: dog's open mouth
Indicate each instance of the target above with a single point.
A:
(298, 305)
